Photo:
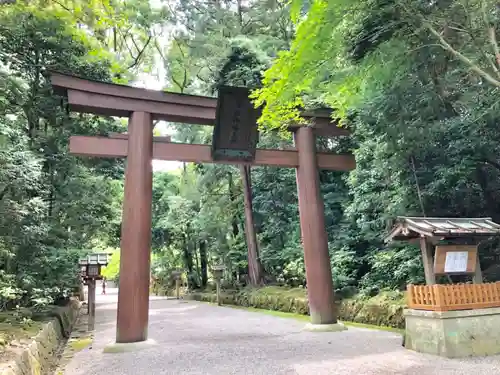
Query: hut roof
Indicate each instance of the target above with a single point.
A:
(411, 227)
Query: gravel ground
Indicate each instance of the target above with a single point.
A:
(195, 338)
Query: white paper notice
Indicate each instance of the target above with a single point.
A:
(456, 261)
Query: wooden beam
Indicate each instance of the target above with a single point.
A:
(166, 138)
(107, 105)
(110, 99)
(64, 82)
(117, 147)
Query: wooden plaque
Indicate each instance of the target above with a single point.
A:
(235, 134)
(455, 259)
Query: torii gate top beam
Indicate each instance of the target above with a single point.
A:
(119, 100)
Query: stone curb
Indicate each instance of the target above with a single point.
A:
(41, 355)
(80, 339)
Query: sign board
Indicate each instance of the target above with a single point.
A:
(455, 259)
(218, 271)
(235, 134)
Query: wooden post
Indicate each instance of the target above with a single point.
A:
(81, 292)
(217, 286)
(218, 272)
(177, 287)
(133, 292)
(428, 259)
(91, 304)
(478, 275)
(88, 297)
(314, 237)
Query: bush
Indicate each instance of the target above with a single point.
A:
(47, 279)
(112, 271)
(393, 268)
(385, 309)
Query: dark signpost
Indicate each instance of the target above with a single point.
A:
(235, 135)
(90, 267)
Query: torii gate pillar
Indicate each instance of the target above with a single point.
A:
(314, 236)
(133, 292)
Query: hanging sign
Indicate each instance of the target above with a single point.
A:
(235, 134)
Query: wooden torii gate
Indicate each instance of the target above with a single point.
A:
(139, 146)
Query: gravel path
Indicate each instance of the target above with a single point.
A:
(195, 338)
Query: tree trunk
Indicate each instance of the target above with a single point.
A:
(115, 44)
(52, 189)
(188, 261)
(197, 261)
(31, 112)
(240, 13)
(203, 262)
(232, 197)
(254, 265)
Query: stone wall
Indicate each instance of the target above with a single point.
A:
(454, 334)
(40, 356)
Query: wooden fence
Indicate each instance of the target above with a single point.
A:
(453, 297)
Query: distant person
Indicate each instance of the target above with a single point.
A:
(103, 285)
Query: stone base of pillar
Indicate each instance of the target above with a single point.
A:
(337, 327)
(128, 347)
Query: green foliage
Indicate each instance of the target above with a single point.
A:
(9, 294)
(112, 270)
(243, 66)
(385, 309)
(394, 269)
(52, 206)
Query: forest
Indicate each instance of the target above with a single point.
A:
(415, 82)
